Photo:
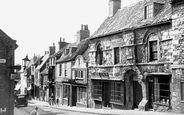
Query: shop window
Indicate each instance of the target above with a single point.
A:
(115, 91)
(148, 11)
(162, 90)
(116, 55)
(81, 95)
(182, 90)
(65, 91)
(97, 90)
(99, 55)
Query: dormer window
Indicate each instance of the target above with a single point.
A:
(148, 11)
(66, 51)
(151, 10)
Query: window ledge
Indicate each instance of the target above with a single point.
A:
(96, 99)
(158, 103)
(79, 78)
(118, 103)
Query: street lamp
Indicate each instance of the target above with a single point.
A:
(25, 61)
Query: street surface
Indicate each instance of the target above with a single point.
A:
(45, 110)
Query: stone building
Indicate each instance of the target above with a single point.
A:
(7, 56)
(135, 57)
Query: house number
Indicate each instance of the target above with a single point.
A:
(2, 110)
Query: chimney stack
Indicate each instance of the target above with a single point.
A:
(83, 33)
(62, 43)
(52, 49)
(114, 6)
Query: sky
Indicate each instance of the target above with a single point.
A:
(37, 24)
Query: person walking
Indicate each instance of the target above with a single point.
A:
(57, 102)
(35, 111)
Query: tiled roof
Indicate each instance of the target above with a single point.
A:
(81, 47)
(45, 58)
(131, 17)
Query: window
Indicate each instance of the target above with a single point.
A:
(115, 91)
(153, 50)
(78, 74)
(66, 51)
(81, 95)
(116, 55)
(60, 69)
(97, 90)
(99, 55)
(148, 11)
(162, 89)
(65, 91)
(65, 69)
(182, 90)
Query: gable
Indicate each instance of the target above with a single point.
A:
(79, 62)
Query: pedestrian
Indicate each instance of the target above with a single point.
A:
(57, 102)
(35, 111)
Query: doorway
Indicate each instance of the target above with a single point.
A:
(106, 94)
(133, 90)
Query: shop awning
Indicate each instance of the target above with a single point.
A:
(17, 87)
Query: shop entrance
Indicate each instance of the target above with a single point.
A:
(105, 94)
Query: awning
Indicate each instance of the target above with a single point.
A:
(17, 87)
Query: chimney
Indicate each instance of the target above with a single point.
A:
(52, 49)
(114, 6)
(83, 33)
(62, 43)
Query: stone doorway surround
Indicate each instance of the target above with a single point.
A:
(143, 104)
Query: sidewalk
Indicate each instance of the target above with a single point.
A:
(100, 111)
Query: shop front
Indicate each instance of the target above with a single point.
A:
(121, 89)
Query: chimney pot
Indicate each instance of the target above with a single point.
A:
(63, 39)
(60, 39)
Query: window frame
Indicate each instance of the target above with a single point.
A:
(97, 90)
(60, 69)
(182, 91)
(99, 54)
(153, 50)
(157, 95)
(149, 11)
(116, 55)
(153, 37)
(115, 89)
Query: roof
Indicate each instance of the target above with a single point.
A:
(176, 1)
(81, 47)
(7, 40)
(132, 17)
(45, 71)
(44, 59)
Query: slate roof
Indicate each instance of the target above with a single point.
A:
(132, 17)
(81, 47)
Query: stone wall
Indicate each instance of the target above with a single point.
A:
(178, 55)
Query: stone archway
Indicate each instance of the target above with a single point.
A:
(134, 74)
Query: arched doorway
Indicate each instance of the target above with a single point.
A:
(133, 90)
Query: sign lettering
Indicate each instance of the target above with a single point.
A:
(2, 110)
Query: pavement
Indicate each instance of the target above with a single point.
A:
(100, 111)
